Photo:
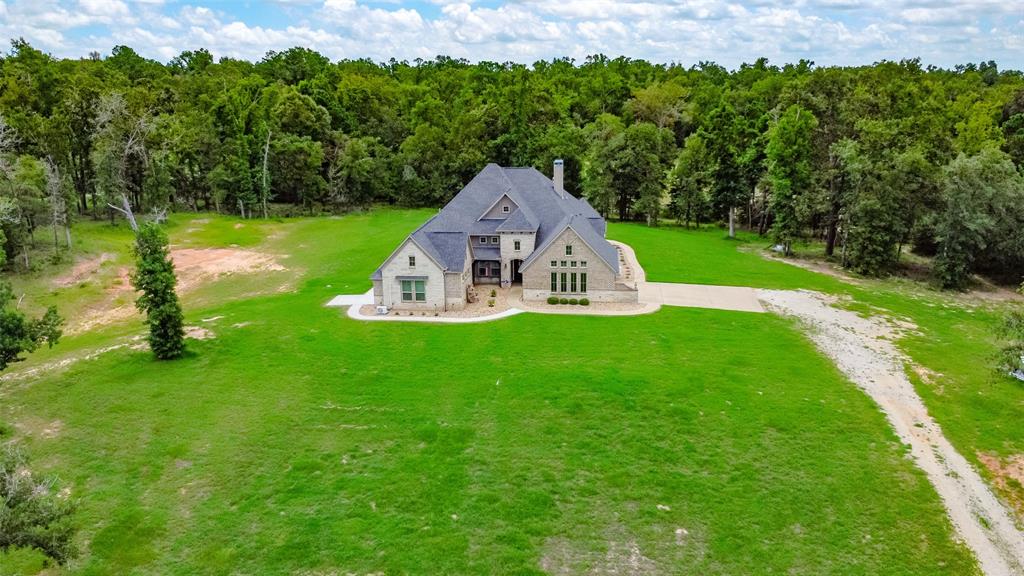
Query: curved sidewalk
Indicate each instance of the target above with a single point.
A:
(355, 302)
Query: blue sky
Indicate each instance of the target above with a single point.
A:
(941, 32)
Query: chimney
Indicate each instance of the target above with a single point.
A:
(558, 177)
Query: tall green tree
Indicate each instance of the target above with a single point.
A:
(789, 172)
(154, 277)
(690, 180)
(983, 202)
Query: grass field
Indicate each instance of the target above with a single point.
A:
(689, 441)
(979, 410)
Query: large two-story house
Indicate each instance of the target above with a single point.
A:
(507, 226)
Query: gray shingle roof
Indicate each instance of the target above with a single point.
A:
(480, 253)
(542, 210)
(518, 221)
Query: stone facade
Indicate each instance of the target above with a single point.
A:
(509, 253)
(601, 279)
(397, 268)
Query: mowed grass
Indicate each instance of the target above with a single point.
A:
(954, 340)
(707, 256)
(299, 441)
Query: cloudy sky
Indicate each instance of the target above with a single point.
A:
(941, 32)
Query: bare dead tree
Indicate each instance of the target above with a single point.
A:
(265, 190)
(126, 209)
(158, 215)
(58, 203)
(125, 134)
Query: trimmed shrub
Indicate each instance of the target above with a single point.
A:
(584, 302)
(552, 299)
(563, 301)
(494, 293)
(573, 301)
(490, 303)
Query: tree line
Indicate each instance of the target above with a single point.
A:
(870, 160)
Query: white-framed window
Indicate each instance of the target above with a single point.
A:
(414, 290)
(494, 239)
(505, 209)
(583, 282)
(568, 249)
(516, 245)
(412, 261)
(554, 263)
(564, 264)
(572, 286)
(483, 239)
(565, 284)
(583, 263)
(554, 281)
(572, 264)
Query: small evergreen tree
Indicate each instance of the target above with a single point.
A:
(154, 277)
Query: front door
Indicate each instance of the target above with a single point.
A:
(517, 276)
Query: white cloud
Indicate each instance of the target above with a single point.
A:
(944, 32)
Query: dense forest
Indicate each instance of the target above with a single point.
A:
(873, 161)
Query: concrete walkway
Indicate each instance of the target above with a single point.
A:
(355, 302)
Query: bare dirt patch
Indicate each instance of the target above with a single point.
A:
(864, 349)
(1008, 474)
(818, 266)
(198, 333)
(81, 271)
(194, 266)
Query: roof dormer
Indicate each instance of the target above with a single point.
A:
(502, 208)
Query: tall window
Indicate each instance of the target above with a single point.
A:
(572, 277)
(412, 261)
(554, 281)
(516, 245)
(565, 285)
(583, 282)
(568, 249)
(414, 290)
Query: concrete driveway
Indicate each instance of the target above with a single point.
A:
(737, 298)
(700, 296)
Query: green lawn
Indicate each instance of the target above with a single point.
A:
(301, 442)
(979, 410)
